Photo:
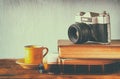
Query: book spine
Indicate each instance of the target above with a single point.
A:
(90, 52)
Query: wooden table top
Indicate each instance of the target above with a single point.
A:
(10, 70)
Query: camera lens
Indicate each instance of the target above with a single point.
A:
(78, 33)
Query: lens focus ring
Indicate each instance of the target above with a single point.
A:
(78, 33)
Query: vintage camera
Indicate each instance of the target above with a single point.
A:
(90, 27)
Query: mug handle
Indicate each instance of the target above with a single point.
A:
(46, 51)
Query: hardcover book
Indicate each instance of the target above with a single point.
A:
(89, 50)
(79, 66)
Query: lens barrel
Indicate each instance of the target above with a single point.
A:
(79, 33)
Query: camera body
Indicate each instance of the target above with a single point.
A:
(90, 27)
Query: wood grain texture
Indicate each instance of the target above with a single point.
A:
(10, 70)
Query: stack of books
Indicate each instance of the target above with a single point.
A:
(88, 57)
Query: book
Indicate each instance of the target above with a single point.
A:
(67, 49)
(89, 66)
(68, 61)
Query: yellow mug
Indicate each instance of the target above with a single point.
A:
(34, 54)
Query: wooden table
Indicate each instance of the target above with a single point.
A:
(10, 70)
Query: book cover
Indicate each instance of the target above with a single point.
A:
(89, 50)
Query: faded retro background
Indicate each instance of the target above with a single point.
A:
(43, 22)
